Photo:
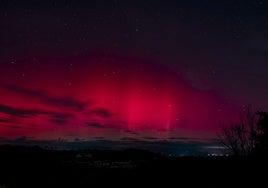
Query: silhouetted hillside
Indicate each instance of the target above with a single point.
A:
(35, 167)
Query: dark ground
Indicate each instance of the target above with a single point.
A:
(36, 167)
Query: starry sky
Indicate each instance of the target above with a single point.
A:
(130, 71)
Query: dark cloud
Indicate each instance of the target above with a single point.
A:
(172, 138)
(182, 138)
(18, 89)
(21, 139)
(79, 139)
(62, 116)
(131, 132)
(95, 124)
(71, 135)
(15, 112)
(55, 117)
(26, 112)
(9, 120)
(60, 119)
(150, 138)
(23, 112)
(65, 103)
(14, 126)
(99, 138)
(212, 140)
(58, 101)
(2, 120)
(100, 125)
(128, 139)
(102, 112)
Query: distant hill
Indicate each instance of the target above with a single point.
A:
(34, 166)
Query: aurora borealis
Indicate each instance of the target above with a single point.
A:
(121, 70)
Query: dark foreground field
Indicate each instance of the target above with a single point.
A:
(35, 167)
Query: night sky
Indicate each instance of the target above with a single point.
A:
(122, 72)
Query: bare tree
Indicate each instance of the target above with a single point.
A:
(240, 139)
(262, 134)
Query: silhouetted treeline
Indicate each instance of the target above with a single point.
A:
(249, 136)
(262, 134)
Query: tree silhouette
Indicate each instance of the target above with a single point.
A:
(262, 134)
(240, 139)
(248, 137)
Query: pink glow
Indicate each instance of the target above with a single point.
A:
(118, 94)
